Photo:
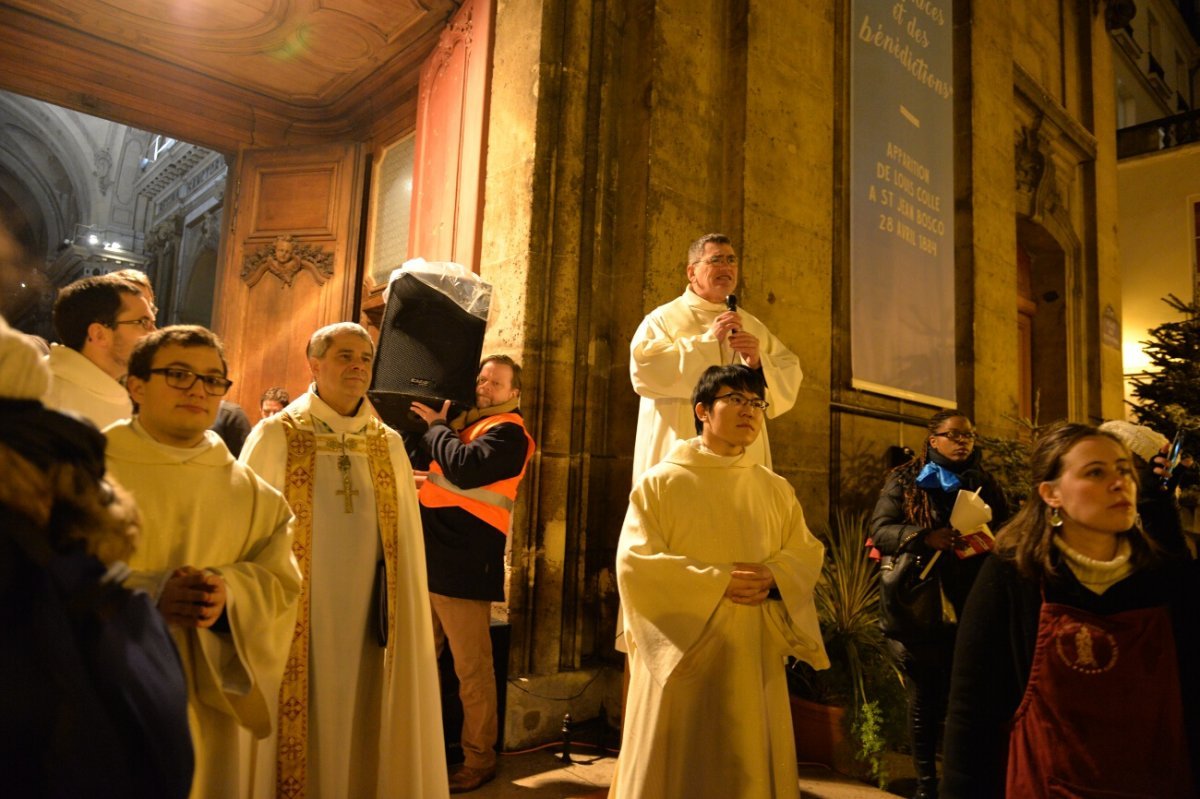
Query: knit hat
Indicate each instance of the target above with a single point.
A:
(40, 435)
(23, 373)
(1141, 440)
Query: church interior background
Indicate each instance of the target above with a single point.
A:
(568, 153)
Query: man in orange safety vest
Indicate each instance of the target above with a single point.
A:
(475, 465)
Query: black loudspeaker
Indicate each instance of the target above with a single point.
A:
(429, 351)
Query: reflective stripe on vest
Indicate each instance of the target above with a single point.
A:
(481, 494)
(492, 503)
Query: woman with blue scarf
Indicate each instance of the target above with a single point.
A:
(913, 515)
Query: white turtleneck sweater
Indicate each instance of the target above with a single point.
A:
(1097, 575)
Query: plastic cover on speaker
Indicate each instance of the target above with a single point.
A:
(430, 341)
(469, 291)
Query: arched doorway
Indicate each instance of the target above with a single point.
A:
(1048, 356)
(196, 301)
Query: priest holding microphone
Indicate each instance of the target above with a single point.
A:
(703, 327)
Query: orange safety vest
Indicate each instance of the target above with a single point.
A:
(492, 503)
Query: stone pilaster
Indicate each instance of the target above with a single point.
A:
(1101, 118)
(788, 222)
(985, 227)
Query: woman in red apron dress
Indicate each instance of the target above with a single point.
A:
(1077, 667)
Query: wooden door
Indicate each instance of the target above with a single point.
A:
(451, 144)
(290, 263)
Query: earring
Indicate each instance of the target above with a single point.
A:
(1055, 518)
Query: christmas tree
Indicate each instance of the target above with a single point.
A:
(1168, 394)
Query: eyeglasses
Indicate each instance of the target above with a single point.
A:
(717, 260)
(183, 379)
(145, 323)
(957, 436)
(740, 401)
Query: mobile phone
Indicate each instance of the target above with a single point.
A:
(1174, 455)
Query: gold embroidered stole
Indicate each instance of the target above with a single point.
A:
(303, 443)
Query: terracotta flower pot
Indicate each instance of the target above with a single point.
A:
(821, 737)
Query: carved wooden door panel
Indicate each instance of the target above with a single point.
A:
(448, 162)
(291, 262)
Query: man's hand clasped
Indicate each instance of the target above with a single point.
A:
(749, 583)
(192, 598)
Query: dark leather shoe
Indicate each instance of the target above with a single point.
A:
(464, 778)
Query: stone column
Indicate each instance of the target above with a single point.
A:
(788, 222)
(547, 254)
(162, 242)
(985, 215)
(1106, 400)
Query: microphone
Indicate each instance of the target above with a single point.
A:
(731, 304)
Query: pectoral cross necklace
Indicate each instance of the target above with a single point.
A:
(348, 490)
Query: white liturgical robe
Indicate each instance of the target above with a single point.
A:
(82, 387)
(671, 349)
(374, 724)
(201, 508)
(708, 713)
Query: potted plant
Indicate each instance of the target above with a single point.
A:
(850, 714)
(1007, 457)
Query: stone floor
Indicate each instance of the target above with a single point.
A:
(541, 775)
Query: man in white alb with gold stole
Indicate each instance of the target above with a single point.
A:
(358, 718)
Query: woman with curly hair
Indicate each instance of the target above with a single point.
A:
(1077, 671)
(913, 516)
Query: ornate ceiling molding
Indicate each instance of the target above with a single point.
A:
(305, 51)
(166, 82)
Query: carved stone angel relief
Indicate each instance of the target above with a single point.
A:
(284, 258)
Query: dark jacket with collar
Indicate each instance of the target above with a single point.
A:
(893, 528)
(464, 554)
